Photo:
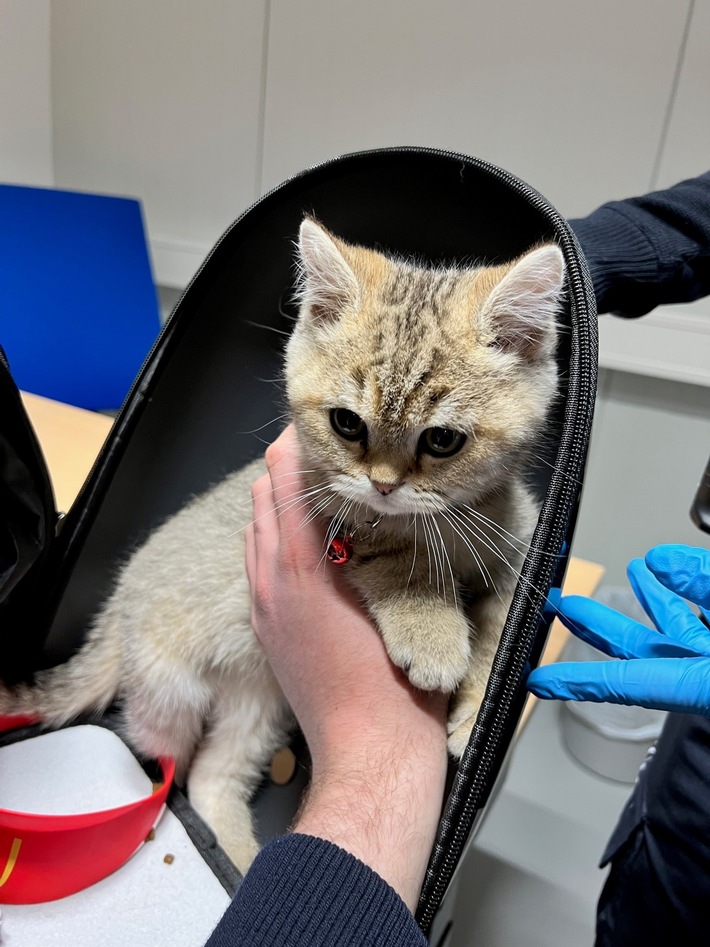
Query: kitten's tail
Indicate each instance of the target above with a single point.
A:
(86, 683)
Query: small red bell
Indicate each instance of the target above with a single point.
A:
(340, 550)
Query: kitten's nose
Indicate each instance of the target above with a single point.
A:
(384, 488)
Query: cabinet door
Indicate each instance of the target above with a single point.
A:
(569, 96)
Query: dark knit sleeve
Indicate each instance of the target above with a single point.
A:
(305, 891)
(649, 251)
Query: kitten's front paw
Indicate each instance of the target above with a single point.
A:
(433, 653)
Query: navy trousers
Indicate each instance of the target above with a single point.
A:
(658, 888)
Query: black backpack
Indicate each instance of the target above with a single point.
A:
(208, 377)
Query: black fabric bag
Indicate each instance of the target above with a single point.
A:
(208, 382)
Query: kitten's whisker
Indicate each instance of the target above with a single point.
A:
(414, 556)
(299, 496)
(480, 562)
(310, 491)
(316, 510)
(485, 573)
(438, 561)
(519, 545)
(426, 544)
(505, 535)
(427, 541)
(490, 545)
(434, 554)
(262, 325)
(296, 499)
(270, 381)
(289, 473)
(279, 417)
(445, 555)
(296, 477)
(556, 467)
(286, 315)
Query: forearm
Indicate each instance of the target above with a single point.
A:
(377, 805)
(649, 251)
(352, 870)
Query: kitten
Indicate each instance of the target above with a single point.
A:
(416, 394)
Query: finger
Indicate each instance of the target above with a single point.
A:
(613, 633)
(250, 555)
(670, 613)
(683, 569)
(284, 445)
(294, 499)
(284, 465)
(263, 508)
(675, 684)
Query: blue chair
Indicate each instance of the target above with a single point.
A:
(78, 306)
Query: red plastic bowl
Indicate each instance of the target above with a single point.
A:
(45, 857)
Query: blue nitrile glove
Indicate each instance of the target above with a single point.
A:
(667, 669)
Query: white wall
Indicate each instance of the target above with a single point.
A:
(650, 445)
(25, 99)
(196, 108)
(161, 101)
(554, 91)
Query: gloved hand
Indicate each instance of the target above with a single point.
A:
(667, 669)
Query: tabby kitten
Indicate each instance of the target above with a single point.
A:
(416, 395)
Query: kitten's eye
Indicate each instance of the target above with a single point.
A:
(348, 424)
(441, 441)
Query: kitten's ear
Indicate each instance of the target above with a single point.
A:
(523, 307)
(328, 284)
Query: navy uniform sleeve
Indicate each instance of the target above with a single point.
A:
(302, 890)
(649, 251)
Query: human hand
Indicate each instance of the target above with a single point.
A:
(665, 669)
(378, 746)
